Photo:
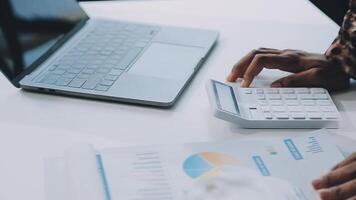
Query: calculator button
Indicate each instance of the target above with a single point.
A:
(308, 102)
(265, 109)
(321, 96)
(287, 91)
(318, 91)
(307, 96)
(311, 108)
(261, 97)
(271, 91)
(248, 91)
(331, 115)
(268, 115)
(298, 115)
(315, 116)
(274, 97)
(323, 102)
(263, 103)
(327, 108)
(278, 108)
(259, 91)
(295, 108)
(302, 91)
(292, 102)
(281, 115)
(276, 103)
(290, 97)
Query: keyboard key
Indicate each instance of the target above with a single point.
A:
(59, 71)
(279, 108)
(274, 97)
(332, 115)
(248, 91)
(315, 115)
(106, 82)
(302, 90)
(298, 115)
(318, 91)
(63, 81)
(259, 91)
(281, 115)
(116, 72)
(271, 91)
(91, 83)
(103, 70)
(286, 91)
(295, 109)
(265, 109)
(74, 71)
(292, 102)
(328, 108)
(102, 88)
(263, 103)
(290, 97)
(307, 97)
(276, 102)
(321, 96)
(311, 108)
(88, 71)
(324, 102)
(268, 115)
(308, 102)
(68, 75)
(84, 76)
(111, 77)
(128, 58)
(77, 83)
(261, 97)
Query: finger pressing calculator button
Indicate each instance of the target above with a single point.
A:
(302, 91)
(315, 116)
(281, 115)
(298, 115)
(323, 102)
(292, 102)
(308, 102)
(274, 97)
(276, 103)
(290, 97)
(318, 91)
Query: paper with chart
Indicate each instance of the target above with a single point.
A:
(250, 166)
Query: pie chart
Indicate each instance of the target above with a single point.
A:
(207, 164)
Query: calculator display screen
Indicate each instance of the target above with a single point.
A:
(226, 98)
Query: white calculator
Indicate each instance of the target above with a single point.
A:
(273, 107)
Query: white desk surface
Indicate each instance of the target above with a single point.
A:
(34, 126)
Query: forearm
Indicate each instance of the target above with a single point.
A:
(342, 53)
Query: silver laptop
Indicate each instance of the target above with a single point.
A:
(52, 46)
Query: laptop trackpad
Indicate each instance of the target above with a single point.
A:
(167, 61)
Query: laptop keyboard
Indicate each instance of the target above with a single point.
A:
(100, 58)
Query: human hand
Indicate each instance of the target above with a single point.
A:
(340, 183)
(310, 70)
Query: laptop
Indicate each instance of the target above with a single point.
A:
(53, 46)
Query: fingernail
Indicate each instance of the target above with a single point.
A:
(278, 84)
(243, 83)
(229, 78)
(317, 183)
(324, 194)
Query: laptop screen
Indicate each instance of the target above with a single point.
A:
(30, 28)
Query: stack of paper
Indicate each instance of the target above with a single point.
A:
(242, 169)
